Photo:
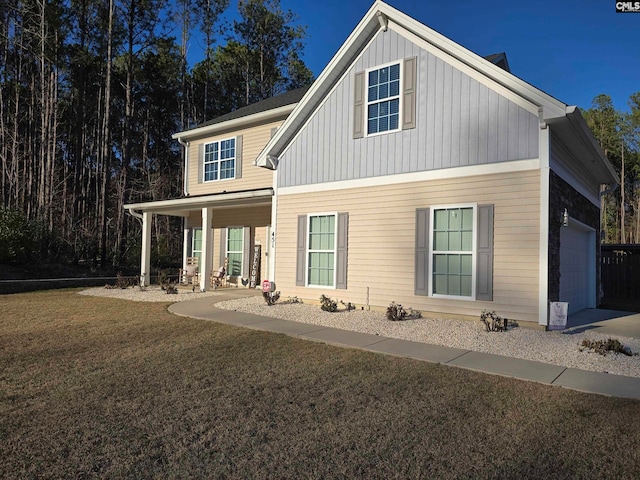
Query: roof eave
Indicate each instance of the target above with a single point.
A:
(573, 130)
(181, 206)
(366, 28)
(236, 123)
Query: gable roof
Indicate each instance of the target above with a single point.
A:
(382, 16)
(499, 59)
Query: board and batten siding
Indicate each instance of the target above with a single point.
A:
(459, 122)
(381, 241)
(253, 141)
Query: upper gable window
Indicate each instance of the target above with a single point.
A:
(220, 160)
(383, 99)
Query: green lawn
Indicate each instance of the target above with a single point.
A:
(104, 388)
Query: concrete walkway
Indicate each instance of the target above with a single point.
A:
(584, 381)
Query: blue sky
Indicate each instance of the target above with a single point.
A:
(571, 49)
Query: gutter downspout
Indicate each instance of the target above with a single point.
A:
(145, 254)
(185, 187)
(135, 214)
(185, 191)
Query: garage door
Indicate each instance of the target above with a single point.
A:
(575, 263)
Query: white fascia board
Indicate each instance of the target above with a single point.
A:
(553, 107)
(584, 132)
(235, 124)
(324, 81)
(471, 72)
(187, 203)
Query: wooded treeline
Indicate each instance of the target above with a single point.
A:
(91, 92)
(618, 133)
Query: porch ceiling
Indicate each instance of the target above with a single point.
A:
(181, 207)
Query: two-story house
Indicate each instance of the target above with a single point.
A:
(227, 202)
(412, 170)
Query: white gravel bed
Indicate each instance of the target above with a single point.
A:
(149, 294)
(555, 348)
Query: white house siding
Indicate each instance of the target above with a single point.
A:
(460, 122)
(253, 141)
(381, 241)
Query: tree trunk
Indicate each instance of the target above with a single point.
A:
(622, 209)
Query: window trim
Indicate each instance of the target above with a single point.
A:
(308, 250)
(226, 250)
(400, 97)
(219, 160)
(474, 250)
(194, 252)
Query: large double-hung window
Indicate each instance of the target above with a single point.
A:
(383, 99)
(453, 251)
(321, 250)
(235, 249)
(220, 160)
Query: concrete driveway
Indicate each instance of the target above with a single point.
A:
(608, 322)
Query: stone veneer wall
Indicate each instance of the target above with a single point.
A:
(561, 196)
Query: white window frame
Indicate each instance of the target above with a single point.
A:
(367, 102)
(308, 249)
(194, 252)
(474, 248)
(219, 160)
(241, 252)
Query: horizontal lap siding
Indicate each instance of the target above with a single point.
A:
(382, 241)
(257, 217)
(253, 141)
(459, 122)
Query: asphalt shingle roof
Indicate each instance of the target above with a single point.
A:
(287, 98)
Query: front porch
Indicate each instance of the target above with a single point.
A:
(231, 225)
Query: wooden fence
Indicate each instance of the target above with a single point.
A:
(620, 276)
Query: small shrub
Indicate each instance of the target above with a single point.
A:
(327, 304)
(271, 297)
(494, 322)
(349, 306)
(396, 312)
(292, 300)
(602, 347)
(122, 282)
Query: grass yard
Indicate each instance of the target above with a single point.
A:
(106, 388)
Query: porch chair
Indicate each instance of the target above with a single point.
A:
(219, 277)
(189, 274)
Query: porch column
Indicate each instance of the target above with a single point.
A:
(206, 258)
(185, 243)
(145, 263)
